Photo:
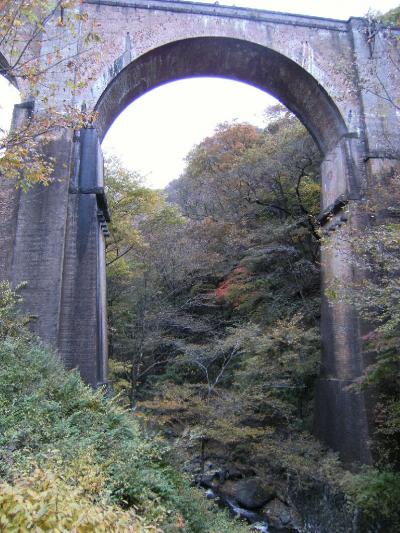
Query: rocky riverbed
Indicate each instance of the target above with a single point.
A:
(259, 502)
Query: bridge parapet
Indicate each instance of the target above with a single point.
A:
(220, 10)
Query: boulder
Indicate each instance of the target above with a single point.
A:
(212, 479)
(250, 493)
(278, 514)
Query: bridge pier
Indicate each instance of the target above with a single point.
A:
(341, 414)
(354, 182)
(53, 241)
(32, 246)
(82, 335)
(341, 418)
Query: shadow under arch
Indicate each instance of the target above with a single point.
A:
(226, 58)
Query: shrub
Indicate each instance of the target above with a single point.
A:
(377, 495)
(76, 460)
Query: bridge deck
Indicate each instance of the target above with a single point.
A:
(216, 10)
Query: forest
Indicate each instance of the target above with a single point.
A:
(214, 311)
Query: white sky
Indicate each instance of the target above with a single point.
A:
(8, 97)
(154, 134)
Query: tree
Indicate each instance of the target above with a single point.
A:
(129, 202)
(137, 308)
(24, 26)
(250, 172)
(234, 289)
(174, 280)
(243, 175)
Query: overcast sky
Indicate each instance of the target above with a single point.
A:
(155, 132)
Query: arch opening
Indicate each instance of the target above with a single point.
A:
(233, 59)
(301, 93)
(10, 97)
(170, 120)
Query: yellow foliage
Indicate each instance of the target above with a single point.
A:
(45, 501)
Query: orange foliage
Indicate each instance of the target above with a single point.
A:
(234, 279)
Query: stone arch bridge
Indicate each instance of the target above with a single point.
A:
(335, 76)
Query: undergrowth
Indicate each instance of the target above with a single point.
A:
(72, 460)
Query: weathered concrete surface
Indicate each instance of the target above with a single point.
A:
(82, 337)
(331, 74)
(9, 202)
(341, 417)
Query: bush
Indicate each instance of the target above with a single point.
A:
(77, 460)
(44, 500)
(377, 495)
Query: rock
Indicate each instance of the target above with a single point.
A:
(250, 493)
(212, 479)
(259, 526)
(233, 473)
(279, 514)
(207, 481)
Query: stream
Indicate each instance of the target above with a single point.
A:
(257, 522)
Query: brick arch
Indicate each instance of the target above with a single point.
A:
(299, 91)
(229, 58)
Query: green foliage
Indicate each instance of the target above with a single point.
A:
(78, 460)
(129, 201)
(139, 216)
(11, 323)
(44, 501)
(392, 17)
(277, 376)
(219, 314)
(377, 495)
